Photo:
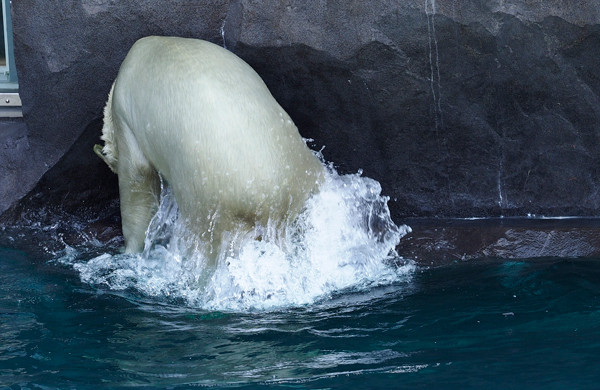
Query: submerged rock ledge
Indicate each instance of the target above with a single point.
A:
(437, 242)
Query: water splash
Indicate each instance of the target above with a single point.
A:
(344, 239)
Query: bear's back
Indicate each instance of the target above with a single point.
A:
(207, 122)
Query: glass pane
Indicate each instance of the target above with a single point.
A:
(2, 43)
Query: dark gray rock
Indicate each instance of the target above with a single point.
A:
(67, 56)
(472, 112)
(463, 108)
(459, 109)
(75, 203)
(14, 148)
(90, 188)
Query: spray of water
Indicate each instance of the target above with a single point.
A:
(344, 239)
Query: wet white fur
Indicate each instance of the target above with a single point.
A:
(202, 118)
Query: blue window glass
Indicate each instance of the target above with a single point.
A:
(10, 103)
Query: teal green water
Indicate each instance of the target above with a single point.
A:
(480, 324)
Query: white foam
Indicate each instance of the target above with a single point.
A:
(344, 239)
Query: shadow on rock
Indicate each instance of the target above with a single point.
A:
(76, 202)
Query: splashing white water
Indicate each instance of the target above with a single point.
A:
(343, 239)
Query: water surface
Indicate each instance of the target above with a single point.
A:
(479, 324)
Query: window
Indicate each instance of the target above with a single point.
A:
(10, 103)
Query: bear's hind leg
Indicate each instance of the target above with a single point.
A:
(139, 192)
(139, 202)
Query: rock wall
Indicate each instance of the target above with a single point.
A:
(459, 108)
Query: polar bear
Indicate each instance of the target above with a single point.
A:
(204, 120)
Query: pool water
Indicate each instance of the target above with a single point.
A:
(482, 323)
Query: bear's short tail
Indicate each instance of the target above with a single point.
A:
(108, 152)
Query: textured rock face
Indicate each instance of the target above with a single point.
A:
(459, 108)
(67, 56)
